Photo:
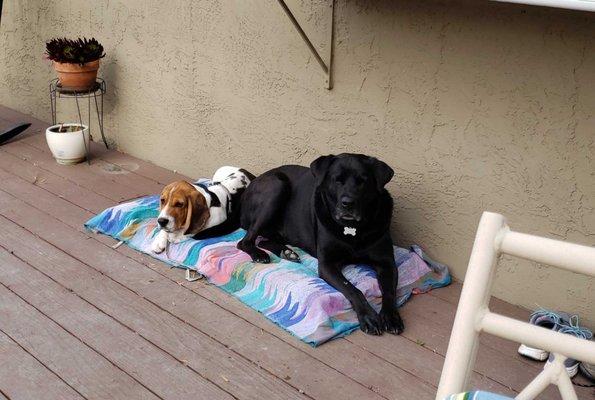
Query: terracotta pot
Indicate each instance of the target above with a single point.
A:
(76, 76)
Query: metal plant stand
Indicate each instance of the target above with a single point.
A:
(96, 92)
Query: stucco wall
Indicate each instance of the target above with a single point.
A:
(476, 105)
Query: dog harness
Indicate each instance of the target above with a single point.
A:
(218, 200)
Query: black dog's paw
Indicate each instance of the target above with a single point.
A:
(290, 255)
(260, 256)
(370, 322)
(391, 321)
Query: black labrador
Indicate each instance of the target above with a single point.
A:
(338, 211)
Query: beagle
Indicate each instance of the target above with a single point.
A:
(199, 210)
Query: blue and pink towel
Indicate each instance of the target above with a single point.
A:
(289, 294)
(477, 395)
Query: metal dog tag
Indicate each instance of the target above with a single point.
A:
(349, 231)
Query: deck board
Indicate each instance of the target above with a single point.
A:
(58, 186)
(95, 177)
(191, 327)
(429, 370)
(124, 161)
(262, 348)
(148, 325)
(24, 377)
(80, 366)
(372, 377)
(147, 363)
(340, 356)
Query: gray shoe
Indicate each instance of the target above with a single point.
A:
(547, 319)
(588, 370)
(573, 328)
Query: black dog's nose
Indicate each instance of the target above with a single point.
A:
(347, 202)
(162, 222)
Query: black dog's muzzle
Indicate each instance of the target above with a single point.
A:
(347, 210)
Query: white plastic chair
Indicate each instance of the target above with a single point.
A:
(473, 316)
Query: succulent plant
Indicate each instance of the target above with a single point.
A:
(78, 51)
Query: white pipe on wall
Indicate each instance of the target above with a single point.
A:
(582, 5)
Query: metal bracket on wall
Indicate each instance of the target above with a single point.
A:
(328, 69)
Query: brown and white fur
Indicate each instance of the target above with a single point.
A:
(195, 210)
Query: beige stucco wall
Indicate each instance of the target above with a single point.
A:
(476, 105)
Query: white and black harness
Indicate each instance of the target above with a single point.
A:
(223, 197)
(219, 200)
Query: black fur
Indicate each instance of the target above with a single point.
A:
(311, 207)
(248, 174)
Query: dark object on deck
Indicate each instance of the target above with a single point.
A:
(12, 132)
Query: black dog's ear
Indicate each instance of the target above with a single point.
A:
(382, 172)
(320, 166)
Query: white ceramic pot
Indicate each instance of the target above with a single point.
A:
(68, 147)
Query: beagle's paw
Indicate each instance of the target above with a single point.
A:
(159, 243)
(176, 237)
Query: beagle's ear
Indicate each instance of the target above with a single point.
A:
(197, 214)
(189, 209)
(320, 166)
(382, 172)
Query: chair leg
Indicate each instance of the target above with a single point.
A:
(464, 338)
(562, 379)
(536, 386)
(554, 373)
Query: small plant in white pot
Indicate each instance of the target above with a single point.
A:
(69, 143)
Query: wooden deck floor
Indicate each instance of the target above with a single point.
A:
(79, 319)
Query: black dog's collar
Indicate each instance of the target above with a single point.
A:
(324, 217)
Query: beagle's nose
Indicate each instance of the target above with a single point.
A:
(347, 202)
(162, 222)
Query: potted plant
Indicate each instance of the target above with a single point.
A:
(75, 61)
(69, 143)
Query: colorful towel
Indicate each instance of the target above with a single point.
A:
(477, 395)
(289, 294)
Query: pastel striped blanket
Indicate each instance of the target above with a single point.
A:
(477, 395)
(289, 294)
